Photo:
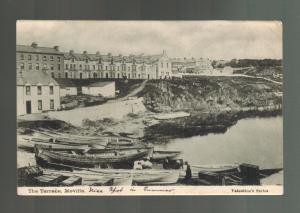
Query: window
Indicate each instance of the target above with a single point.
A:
(95, 75)
(58, 58)
(22, 57)
(66, 75)
(118, 75)
(29, 57)
(80, 66)
(167, 65)
(37, 57)
(37, 66)
(118, 68)
(86, 60)
(106, 75)
(45, 66)
(51, 90)
(128, 68)
(73, 59)
(27, 90)
(52, 67)
(59, 75)
(51, 104)
(94, 67)
(40, 106)
(80, 75)
(133, 68)
(105, 67)
(52, 74)
(44, 58)
(51, 58)
(58, 66)
(67, 66)
(30, 66)
(39, 90)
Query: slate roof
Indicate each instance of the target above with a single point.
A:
(118, 58)
(35, 78)
(41, 50)
(65, 82)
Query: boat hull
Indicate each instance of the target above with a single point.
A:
(46, 158)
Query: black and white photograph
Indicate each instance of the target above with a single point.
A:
(149, 107)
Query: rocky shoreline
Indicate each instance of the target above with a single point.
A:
(200, 124)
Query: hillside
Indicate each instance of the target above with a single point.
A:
(210, 94)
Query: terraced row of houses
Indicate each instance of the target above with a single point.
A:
(87, 65)
(41, 71)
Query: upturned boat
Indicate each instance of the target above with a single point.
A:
(162, 155)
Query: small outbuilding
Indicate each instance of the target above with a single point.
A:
(105, 89)
(66, 87)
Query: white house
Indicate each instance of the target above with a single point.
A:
(66, 87)
(36, 92)
(105, 89)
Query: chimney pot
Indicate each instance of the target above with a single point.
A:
(34, 44)
(56, 48)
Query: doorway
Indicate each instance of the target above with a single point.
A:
(28, 107)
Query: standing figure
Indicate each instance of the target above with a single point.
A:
(188, 172)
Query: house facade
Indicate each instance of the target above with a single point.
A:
(35, 58)
(36, 92)
(105, 89)
(86, 65)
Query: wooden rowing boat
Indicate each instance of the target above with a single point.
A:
(29, 146)
(126, 176)
(86, 160)
(162, 155)
(157, 178)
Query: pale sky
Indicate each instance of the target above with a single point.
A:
(206, 39)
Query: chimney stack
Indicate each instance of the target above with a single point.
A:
(56, 48)
(71, 52)
(97, 53)
(34, 44)
(85, 52)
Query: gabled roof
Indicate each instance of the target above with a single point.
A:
(35, 78)
(41, 50)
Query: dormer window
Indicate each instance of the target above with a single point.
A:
(51, 58)
(29, 57)
(22, 57)
(73, 60)
(86, 60)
